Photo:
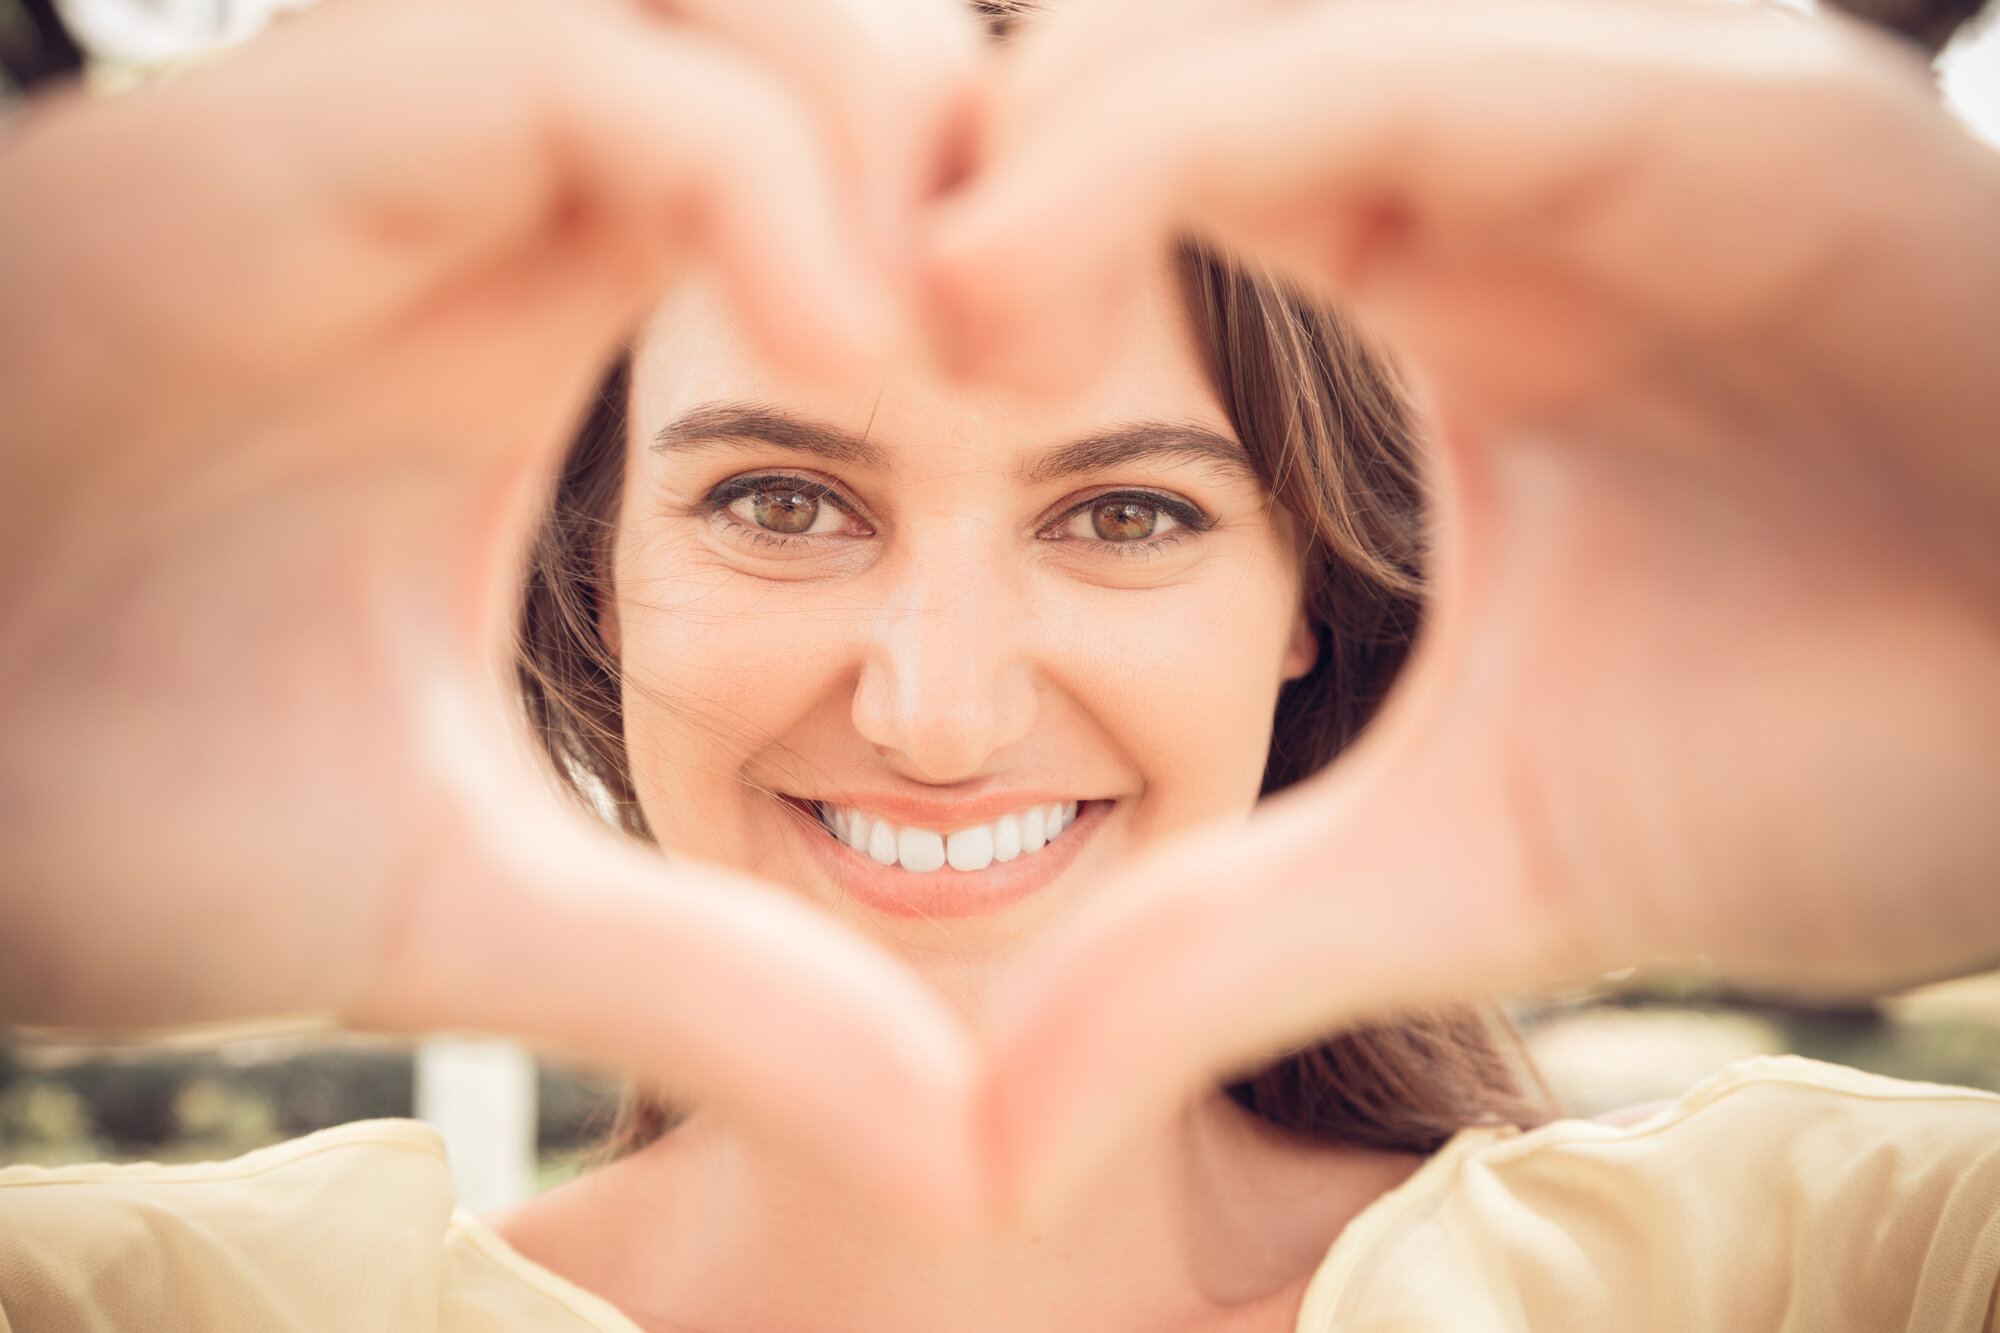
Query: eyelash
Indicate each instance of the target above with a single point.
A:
(1191, 518)
(717, 502)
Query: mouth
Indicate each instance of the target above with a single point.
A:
(1025, 832)
(959, 869)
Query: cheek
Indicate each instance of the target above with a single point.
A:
(716, 669)
(1183, 680)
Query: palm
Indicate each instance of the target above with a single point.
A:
(1703, 626)
(282, 643)
(1713, 708)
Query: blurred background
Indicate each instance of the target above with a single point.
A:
(513, 1124)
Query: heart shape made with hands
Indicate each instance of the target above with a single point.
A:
(1679, 523)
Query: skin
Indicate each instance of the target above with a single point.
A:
(1703, 302)
(286, 356)
(948, 648)
(969, 637)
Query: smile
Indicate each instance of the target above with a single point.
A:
(934, 864)
(1019, 833)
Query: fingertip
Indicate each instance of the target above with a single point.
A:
(1052, 1099)
(1044, 1137)
(962, 1200)
(815, 295)
(1002, 305)
(864, 330)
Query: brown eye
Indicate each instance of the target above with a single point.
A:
(788, 511)
(1131, 519)
(1123, 520)
(777, 511)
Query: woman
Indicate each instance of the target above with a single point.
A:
(834, 608)
(383, 272)
(940, 659)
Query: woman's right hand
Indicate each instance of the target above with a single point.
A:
(289, 349)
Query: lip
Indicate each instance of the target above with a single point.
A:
(894, 891)
(944, 816)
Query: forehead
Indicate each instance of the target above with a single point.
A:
(694, 352)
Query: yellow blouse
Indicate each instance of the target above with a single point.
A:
(1780, 1196)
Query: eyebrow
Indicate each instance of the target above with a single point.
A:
(724, 423)
(720, 424)
(1144, 442)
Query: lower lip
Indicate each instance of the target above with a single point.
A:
(893, 891)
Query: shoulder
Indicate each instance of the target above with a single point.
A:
(352, 1227)
(1772, 1114)
(1782, 1194)
(1808, 1145)
(351, 1220)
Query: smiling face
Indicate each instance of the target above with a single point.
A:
(942, 657)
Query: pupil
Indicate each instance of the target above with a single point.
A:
(1124, 520)
(785, 511)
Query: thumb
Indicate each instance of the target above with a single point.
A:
(1393, 879)
(523, 919)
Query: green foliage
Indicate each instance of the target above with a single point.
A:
(170, 1103)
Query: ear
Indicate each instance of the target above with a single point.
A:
(1302, 653)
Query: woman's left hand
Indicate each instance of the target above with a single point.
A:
(1705, 304)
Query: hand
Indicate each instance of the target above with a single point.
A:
(1705, 304)
(289, 348)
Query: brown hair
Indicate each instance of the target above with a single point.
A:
(1931, 24)
(1325, 422)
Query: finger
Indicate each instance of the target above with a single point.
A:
(524, 921)
(257, 216)
(1031, 264)
(1394, 880)
(1309, 122)
(745, 169)
(1059, 57)
(1368, 148)
(895, 76)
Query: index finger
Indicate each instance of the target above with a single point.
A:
(1351, 144)
(894, 75)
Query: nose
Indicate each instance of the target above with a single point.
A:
(945, 682)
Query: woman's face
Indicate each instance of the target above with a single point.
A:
(942, 657)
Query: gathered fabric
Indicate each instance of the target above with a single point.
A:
(1780, 1196)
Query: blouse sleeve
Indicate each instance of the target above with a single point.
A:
(339, 1230)
(1784, 1196)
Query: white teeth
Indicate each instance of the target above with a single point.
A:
(920, 850)
(882, 842)
(1006, 837)
(970, 849)
(1022, 833)
(1034, 828)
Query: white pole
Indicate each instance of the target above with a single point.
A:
(1969, 71)
(480, 1095)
